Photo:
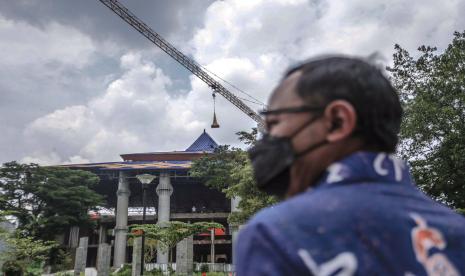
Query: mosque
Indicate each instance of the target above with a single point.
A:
(172, 195)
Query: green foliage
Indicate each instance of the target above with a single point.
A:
(150, 245)
(150, 249)
(60, 260)
(12, 268)
(154, 272)
(432, 92)
(47, 200)
(62, 273)
(204, 268)
(34, 269)
(229, 170)
(3, 215)
(126, 270)
(216, 168)
(168, 234)
(211, 273)
(27, 253)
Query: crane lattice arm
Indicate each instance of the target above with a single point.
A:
(177, 55)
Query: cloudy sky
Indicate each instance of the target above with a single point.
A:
(77, 84)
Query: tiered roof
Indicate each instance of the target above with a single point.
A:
(175, 160)
(204, 143)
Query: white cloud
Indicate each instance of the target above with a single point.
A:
(283, 32)
(136, 113)
(24, 44)
(249, 43)
(38, 157)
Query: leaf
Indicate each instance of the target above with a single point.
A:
(432, 91)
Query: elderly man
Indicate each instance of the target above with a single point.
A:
(350, 205)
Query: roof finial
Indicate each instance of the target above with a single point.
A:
(204, 131)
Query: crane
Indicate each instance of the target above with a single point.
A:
(125, 14)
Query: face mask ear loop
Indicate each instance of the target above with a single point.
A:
(309, 122)
(311, 148)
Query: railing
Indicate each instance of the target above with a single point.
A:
(162, 267)
(215, 267)
(212, 267)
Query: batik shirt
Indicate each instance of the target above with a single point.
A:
(364, 217)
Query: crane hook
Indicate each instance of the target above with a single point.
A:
(215, 122)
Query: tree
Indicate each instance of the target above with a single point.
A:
(23, 254)
(432, 92)
(168, 234)
(46, 200)
(27, 254)
(229, 170)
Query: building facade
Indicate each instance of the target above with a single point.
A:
(173, 195)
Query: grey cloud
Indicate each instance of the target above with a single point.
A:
(34, 82)
(249, 43)
(175, 19)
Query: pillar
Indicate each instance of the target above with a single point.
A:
(102, 234)
(81, 256)
(73, 237)
(121, 227)
(212, 245)
(164, 191)
(234, 229)
(137, 257)
(103, 259)
(185, 256)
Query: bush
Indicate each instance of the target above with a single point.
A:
(63, 273)
(126, 270)
(61, 260)
(204, 268)
(34, 269)
(26, 253)
(154, 272)
(212, 274)
(12, 268)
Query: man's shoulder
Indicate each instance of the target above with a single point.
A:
(330, 223)
(294, 224)
(345, 204)
(310, 204)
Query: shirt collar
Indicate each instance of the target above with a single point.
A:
(365, 166)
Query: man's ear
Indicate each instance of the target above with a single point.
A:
(341, 119)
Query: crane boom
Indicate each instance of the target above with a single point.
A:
(177, 55)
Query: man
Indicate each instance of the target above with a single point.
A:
(350, 205)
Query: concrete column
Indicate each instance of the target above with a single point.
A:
(164, 191)
(103, 259)
(212, 246)
(102, 234)
(121, 227)
(73, 237)
(185, 256)
(234, 229)
(81, 256)
(137, 256)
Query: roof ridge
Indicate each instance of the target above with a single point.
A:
(203, 143)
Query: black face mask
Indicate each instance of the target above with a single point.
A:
(272, 158)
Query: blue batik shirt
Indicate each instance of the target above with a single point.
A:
(364, 217)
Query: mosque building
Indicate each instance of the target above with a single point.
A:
(172, 195)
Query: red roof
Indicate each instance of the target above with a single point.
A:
(218, 232)
(163, 156)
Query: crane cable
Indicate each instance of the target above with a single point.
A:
(256, 101)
